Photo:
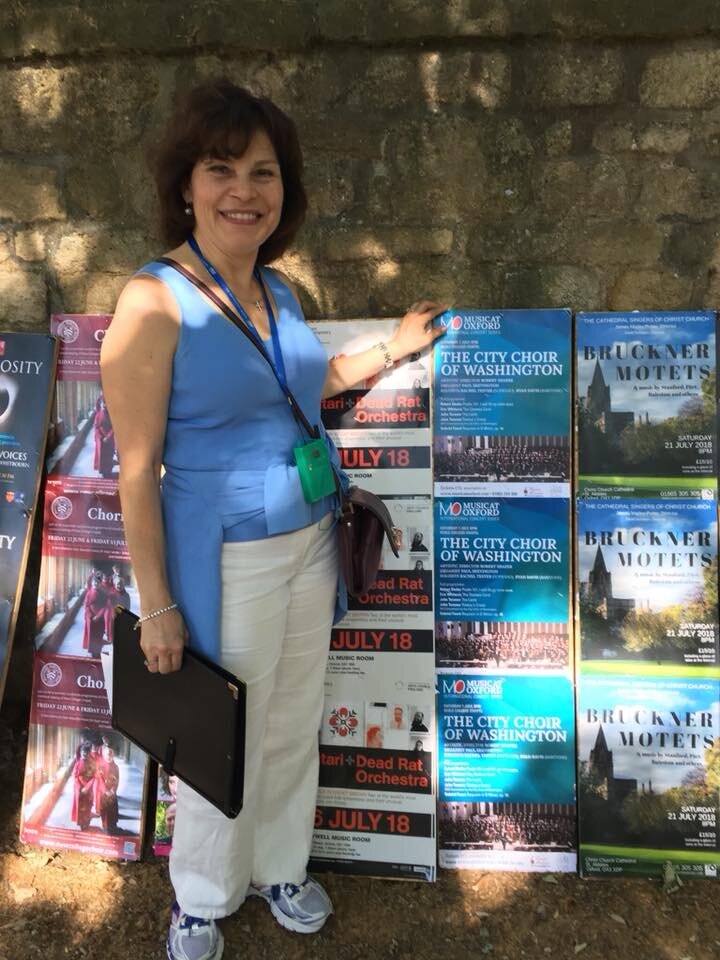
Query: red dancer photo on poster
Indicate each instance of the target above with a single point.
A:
(84, 781)
(107, 778)
(104, 440)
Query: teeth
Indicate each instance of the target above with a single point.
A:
(242, 217)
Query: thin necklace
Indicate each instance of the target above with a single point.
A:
(258, 303)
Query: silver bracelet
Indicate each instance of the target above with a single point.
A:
(155, 613)
(387, 356)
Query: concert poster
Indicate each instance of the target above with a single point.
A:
(646, 402)
(502, 560)
(27, 372)
(376, 801)
(85, 784)
(647, 586)
(506, 766)
(649, 774)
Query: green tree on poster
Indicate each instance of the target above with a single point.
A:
(645, 630)
(712, 766)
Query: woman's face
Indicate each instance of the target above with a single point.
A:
(237, 202)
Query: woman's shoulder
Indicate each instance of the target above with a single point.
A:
(150, 292)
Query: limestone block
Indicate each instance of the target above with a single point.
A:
(669, 190)
(106, 250)
(650, 290)
(682, 78)
(32, 105)
(558, 138)
(613, 137)
(691, 246)
(29, 192)
(30, 244)
(389, 81)
(330, 185)
(6, 245)
(453, 78)
(664, 138)
(618, 243)
(92, 292)
(598, 186)
(23, 298)
(385, 243)
(349, 133)
(72, 253)
(525, 242)
(553, 286)
(512, 142)
(573, 76)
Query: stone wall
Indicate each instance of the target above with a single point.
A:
(492, 152)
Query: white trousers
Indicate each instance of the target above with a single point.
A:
(278, 598)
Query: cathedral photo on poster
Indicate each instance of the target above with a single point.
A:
(646, 387)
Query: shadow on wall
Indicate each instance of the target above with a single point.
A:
(539, 173)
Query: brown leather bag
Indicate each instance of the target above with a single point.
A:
(364, 519)
(363, 524)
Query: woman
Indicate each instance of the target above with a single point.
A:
(229, 554)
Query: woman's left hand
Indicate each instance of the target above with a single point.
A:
(416, 331)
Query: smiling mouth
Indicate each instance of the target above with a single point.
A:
(240, 217)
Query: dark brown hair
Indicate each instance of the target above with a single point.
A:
(218, 119)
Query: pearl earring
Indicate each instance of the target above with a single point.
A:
(188, 208)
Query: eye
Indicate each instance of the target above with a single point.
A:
(265, 172)
(218, 167)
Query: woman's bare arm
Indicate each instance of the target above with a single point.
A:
(414, 334)
(136, 368)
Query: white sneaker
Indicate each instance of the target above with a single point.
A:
(303, 908)
(192, 938)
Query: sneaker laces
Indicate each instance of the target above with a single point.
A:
(190, 923)
(293, 889)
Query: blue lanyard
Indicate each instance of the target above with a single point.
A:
(279, 364)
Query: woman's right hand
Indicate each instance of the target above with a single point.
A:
(162, 640)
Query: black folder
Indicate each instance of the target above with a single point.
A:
(192, 721)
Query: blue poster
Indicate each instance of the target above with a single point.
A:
(502, 559)
(506, 738)
(504, 372)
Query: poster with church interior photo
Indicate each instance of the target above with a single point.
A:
(649, 775)
(646, 386)
(648, 581)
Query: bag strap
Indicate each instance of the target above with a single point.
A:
(240, 324)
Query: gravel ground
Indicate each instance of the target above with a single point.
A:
(63, 906)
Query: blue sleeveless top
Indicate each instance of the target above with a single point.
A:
(228, 452)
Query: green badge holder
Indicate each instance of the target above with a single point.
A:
(316, 473)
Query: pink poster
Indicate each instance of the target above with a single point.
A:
(84, 783)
